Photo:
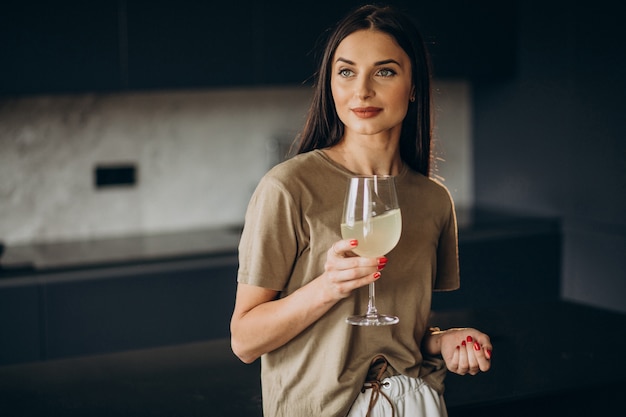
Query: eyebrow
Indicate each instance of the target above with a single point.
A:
(383, 62)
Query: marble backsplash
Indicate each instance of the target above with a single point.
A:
(199, 155)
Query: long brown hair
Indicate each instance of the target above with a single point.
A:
(323, 127)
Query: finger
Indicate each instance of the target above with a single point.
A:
(484, 358)
(481, 355)
(463, 361)
(341, 247)
(347, 286)
(487, 351)
(453, 363)
(482, 362)
(483, 351)
(472, 360)
(354, 267)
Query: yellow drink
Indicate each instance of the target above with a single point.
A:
(376, 236)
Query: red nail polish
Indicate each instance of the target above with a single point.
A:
(354, 242)
(376, 275)
(476, 346)
(458, 347)
(381, 263)
(469, 339)
(463, 343)
(488, 352)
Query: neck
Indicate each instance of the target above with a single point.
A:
(371, 156)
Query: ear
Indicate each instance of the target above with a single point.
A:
(412, 95)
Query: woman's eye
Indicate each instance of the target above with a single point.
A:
(386, 72)
(345, 73)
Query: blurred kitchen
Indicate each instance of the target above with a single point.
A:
(133, 132)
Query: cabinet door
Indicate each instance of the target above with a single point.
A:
(471, 40)
(20, 322)
(292, 40)
(77, 46)
(138, 306)
(504, 271)
(59, 47)
(188, 44)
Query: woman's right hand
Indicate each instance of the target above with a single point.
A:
(344, 271)
(262, 321)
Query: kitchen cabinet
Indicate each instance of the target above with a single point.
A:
(71, 46)
(191, 44)
(59, 47)
(506, 270)
(505, 259)
(121, 308)
(20, 321)
(290, 35)
(75, 312)
(476, 40)
(77, 298)
(536, 371)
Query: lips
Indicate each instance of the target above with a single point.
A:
(366, 112)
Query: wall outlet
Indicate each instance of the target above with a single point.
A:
(117, 175)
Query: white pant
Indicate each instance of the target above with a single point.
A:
(411, 397)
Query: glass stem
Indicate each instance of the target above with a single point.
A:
(371, 307)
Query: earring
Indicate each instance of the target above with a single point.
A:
(412, 99)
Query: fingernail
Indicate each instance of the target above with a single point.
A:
(354, 242)
(463, 343)
(458, 347)
(488, 352)
(376, 275)
(381, 263)
(469, 339)
(476, 346)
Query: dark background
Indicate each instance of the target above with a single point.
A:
(548, 86)
(551, 139)
(547, 83)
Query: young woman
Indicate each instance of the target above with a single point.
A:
(298, 280)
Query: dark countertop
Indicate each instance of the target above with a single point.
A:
(128, 250)
(540, 351)
(474, 224)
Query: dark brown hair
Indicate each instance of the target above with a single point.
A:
(323, 127)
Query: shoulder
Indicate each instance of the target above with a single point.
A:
(426, 187)
(299, 164)
(300, 172)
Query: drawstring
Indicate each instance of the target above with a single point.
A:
(376, 386)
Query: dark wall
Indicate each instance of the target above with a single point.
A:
(552, 140)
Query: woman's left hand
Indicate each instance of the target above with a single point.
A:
(466, 350)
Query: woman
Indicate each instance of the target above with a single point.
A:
(298, 280)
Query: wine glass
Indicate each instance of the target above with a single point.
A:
(371, 215)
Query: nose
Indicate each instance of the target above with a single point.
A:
(364, 88)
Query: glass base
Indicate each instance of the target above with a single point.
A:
(372, 320)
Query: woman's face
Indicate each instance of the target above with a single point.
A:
(371, 83)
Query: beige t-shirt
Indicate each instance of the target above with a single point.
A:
(292, 220)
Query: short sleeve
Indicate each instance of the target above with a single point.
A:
(268, 245)
(448, 253)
